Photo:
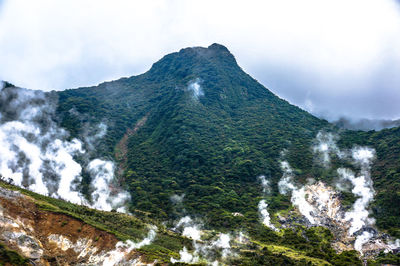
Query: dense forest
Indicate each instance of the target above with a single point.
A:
(197, 125)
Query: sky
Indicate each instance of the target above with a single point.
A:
(331, 57)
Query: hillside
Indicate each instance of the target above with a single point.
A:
(211, 147)
(207, 147)
(38, 230)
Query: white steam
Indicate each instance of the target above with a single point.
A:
(122, 249)
(223, 242)
(190, 228)
(361, 184)
(298, 198)
(177, 199)
(325, 146)
(394, 244)
(362, 188)
(195, 88)
(361, 240)
(186, 257)
(103, 174)
(263, 206)
(285, 185)
(209, 250)
(92, 135)
(264, 184)
(265, 218)
(37, 154)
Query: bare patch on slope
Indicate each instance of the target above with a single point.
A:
(52, 238)
(121, 149)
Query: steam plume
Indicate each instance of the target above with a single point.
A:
(361, 240)
(195, 88)
(262, 205)
(325, 145)
(264, 184)
(298, 199)
(190, 228)
(37, 154)
(103, 174)
(207, 250)
(265, 218)
(122, 249)
(186, 257)
(177, 199)
(322, 199)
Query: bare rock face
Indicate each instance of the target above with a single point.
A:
(322, 207)
(52, 238)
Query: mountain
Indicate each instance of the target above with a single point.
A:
(198, 142)
(210, 147)
(207, 146)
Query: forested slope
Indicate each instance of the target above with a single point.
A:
(197, 124)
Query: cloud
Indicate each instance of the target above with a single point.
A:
(335, 58)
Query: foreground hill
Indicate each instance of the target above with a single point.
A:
(38, 230)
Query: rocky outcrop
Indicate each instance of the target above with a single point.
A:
(48, 238)
(326, 210)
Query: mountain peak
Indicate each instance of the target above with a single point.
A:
(218, 47)
(5, 84)
(215, 48)
(195, 60)
(213, 51)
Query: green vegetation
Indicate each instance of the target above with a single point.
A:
(212, 149)
(123, 226)
(299, 246)
(303, 245)
(11, 257)
(385, 259)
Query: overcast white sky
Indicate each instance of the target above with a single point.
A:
(331, 57)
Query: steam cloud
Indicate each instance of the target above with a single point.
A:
(298, 198)
(358, 216)
(361, 183)
(37, 154)
(196, 89)
(122, 249)
(209, 250)
(177, 199)
(361, 240)
(325, 146)
(103, 173)
(362, 188)
(262, 205)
